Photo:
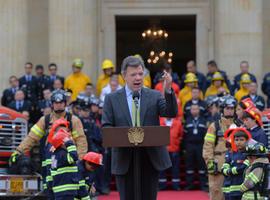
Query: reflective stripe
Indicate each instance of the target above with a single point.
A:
(190, 172)
(250, 196)
(253, 177)
(38, 131)
(243, 187)
(70, 159)
(226, 165)
(225, 171)
(201, 172)
(234, 170)
(210, 137)
(82, 183)
(234, 188)
(162, 180)
(63, 170)
(49, 178)
(246, 162)
(71, 148)
(62, 188)
(44, 186)
(175, 180)
(46, 162)
(226, 189)
(74, 134)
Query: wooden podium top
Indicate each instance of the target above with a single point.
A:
(119, 137)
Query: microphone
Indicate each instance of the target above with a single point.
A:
(136, 97)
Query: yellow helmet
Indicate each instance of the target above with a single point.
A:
(107, 64)
(245, 78)
(217, 76)
(190, 77)
(77, 63)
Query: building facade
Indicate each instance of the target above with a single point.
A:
(44, 31)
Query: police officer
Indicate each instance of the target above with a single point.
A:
(266, 88)
(39, 132)
(195, 130)
(195, 92)
(8, 94)
(214, 147)
(43, 81)
(46, 101)
(28, 83)
(52, 68)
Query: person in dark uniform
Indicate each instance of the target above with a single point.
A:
(42, 81)
(194, 132)
(256, 99)
(46, 101)
(28, 83)
(212, 68)
(52, 68)
(244, 67)
(266, 88)
(191, 67)
(152, 104)
(195, 92)
(212, 106)
(20, 104)
(9, 93)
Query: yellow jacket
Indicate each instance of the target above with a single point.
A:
(147, 81)
(241, 93)
(213, 90)
(185, 95)
(77, 83)
(104, 79)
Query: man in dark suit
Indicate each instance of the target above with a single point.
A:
(52, 67)
(43, 81)
(20, 104)
(8, 94)
(118, 111)
(28, 83)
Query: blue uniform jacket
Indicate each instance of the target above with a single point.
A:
(257, 100)
(64, 171)
(233, 170)
(259, 135)
(191, 135)
(85, 181)
(201, 104)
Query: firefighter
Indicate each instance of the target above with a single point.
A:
(266, 88)
(214, 147)
(108, 70)
(235, 163)
(256, 99)
(64, 169)
(241, 106)
(185, 94)
(218, 85)
(257, 156)
(244, 87)
(253, 121)
(39, 132)
(212, 106)
(195, 130)
(77, 80)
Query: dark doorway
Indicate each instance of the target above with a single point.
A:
(181, 39)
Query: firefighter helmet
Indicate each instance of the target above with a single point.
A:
(255, 114)
(217, 76)
(107, 64)
(257, 149)
(246, 103)
(245, 78)
(190, 77)
(58, 123)
(58, 138)
(227, 101)
(212, 100)
(58, 96)
(77, 63)
(93, 157)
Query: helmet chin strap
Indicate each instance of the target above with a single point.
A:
(59, 111)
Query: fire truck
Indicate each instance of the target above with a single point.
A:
(13, 129)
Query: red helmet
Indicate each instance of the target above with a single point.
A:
(247, 103)
(55, 125)
(93, 157)
(255, 114)
(234, 148)
(58, 138)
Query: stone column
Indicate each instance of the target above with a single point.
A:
(238, 35)
(73, 34)
(13, 34)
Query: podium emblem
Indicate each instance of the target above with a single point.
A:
(135, 135)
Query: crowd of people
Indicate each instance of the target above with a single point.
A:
(207, 107)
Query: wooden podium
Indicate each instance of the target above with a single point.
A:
(149, 136)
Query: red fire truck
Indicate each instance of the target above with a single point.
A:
(13, 129)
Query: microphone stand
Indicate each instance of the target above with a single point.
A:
(137, 162)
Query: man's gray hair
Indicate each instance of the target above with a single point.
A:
(131, 61)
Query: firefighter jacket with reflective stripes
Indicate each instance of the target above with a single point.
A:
(233, 170)
(64, 171)
(214, 147)
(85, 181)
(251, 179)
(259, 135)
(38, 131)
(195, 130)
